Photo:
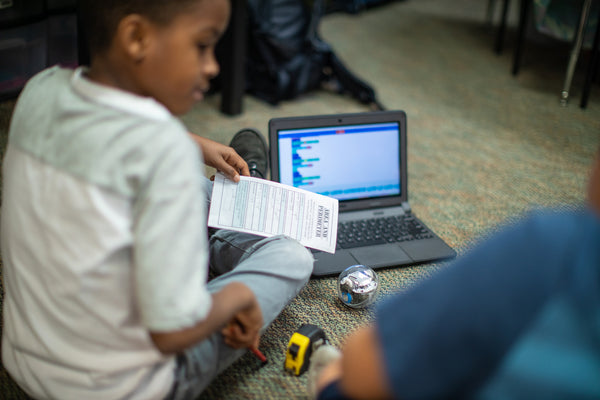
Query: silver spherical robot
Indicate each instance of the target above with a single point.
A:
(357, 286)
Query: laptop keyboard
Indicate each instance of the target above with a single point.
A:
(380, 231)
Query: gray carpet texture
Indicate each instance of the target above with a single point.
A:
(484, 147)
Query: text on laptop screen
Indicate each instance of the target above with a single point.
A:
(346, 162)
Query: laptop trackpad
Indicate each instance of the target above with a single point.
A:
(328, 264)
(380, 256)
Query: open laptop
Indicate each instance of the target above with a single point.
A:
(360, 159)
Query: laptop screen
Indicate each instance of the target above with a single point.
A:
(347, 162)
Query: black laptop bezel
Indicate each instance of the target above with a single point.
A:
(311, 121)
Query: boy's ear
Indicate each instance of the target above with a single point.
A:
(133, 36)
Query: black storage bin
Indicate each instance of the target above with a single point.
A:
(34, 34)
(23, 53)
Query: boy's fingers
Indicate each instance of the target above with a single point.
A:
(244, 170)
(235, 332)
(230, 330)
(238, 163)
(230, 172)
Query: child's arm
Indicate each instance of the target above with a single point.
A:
(362, 365)
(237, 333)
(231, 302)
(360, 371)
(222, 158)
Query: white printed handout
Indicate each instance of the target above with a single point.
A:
(267, 208)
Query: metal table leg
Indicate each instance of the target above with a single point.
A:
(577, 42)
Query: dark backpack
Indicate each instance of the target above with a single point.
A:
(286, 56)
(352, 6)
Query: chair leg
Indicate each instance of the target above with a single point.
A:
(523, 18)
(592, 66)
(575, 49)
(502, 28)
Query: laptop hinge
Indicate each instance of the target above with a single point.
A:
(406, 206)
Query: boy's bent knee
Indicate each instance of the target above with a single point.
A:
(293, 254)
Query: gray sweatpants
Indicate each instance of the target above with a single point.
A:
(275, 269)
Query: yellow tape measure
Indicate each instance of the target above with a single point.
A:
(301, 346)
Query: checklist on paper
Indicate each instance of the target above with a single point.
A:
(267, 208)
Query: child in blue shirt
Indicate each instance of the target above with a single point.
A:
(516, 318)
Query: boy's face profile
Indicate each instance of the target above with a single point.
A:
(173, 63)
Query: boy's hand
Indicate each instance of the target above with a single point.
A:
(222, 158)
(244, 329)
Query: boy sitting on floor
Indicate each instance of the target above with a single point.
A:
(104, 237)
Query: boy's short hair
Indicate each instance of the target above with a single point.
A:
(100, 18)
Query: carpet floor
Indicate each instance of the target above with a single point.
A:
(484, 147)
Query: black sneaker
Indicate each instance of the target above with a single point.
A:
(251, 145)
